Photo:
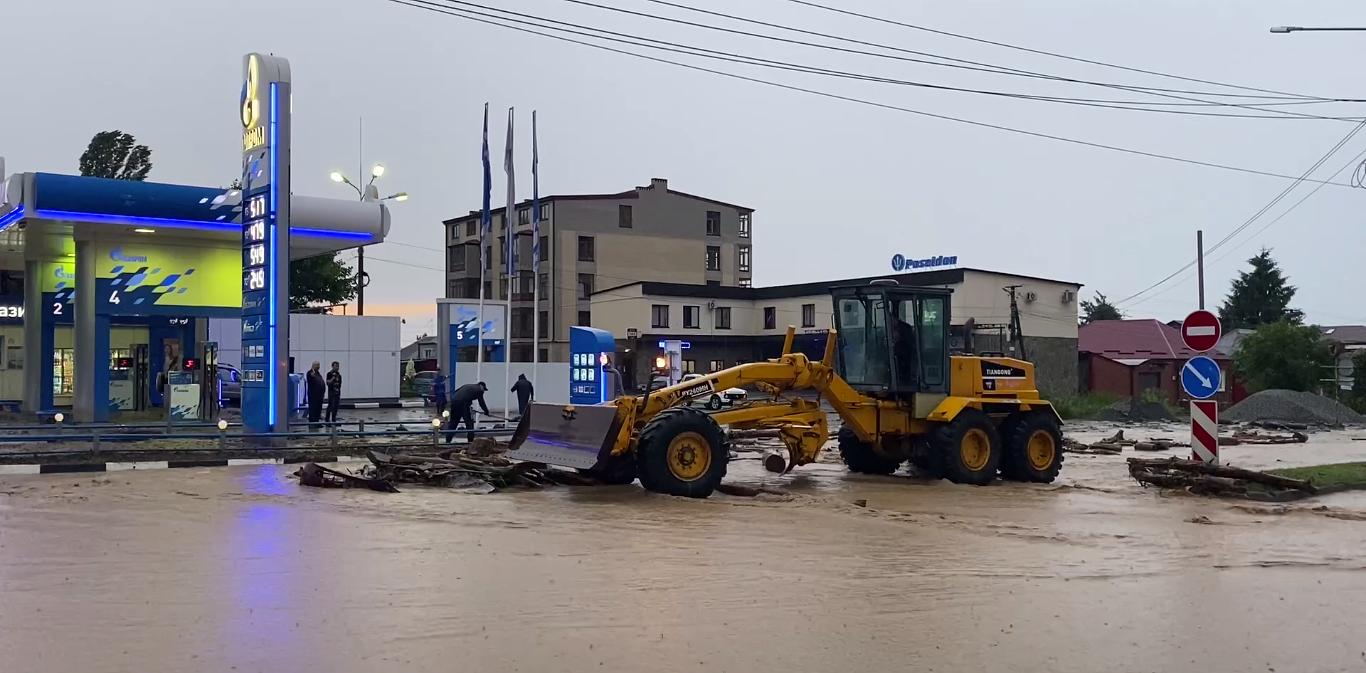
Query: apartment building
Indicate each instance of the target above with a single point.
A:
(725, 326)
(593, 241)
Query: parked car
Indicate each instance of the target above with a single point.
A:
(422, 385)
(727, 397)
(229, 386)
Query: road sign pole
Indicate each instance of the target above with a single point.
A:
(1200, 264)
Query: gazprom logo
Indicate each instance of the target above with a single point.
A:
(117, 255)
(901, 263)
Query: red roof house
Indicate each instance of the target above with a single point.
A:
(1126, 357)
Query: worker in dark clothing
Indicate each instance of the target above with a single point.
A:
(525, 391)
(462, 408)
(439, 385)
(334, 381)
(315, 389)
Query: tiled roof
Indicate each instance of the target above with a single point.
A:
(1132, 339)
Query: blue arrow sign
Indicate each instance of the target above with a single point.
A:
(1201, 377)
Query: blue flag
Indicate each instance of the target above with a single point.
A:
(486, 221)
(535, 202)
(510, 218)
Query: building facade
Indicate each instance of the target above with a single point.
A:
(1143, 358)
(594, 241)
(725, 326)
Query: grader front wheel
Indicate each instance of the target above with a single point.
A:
(682, 451)
(1033, 449)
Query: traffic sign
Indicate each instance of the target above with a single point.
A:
(1205, 431)
(1201, 377)
(1201, 330)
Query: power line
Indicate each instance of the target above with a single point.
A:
(994, 68)
(420, 4)
(1328, 155)
(702, 52)
(1041, 52)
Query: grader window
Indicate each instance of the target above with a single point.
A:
(863, 342)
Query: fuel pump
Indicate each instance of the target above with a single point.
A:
(141, 378)
(183, 391)
(211, 395)
(122, 385)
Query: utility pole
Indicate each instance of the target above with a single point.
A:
(1016, 332)
(1200, 264)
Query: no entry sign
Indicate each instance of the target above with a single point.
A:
(1201, 331)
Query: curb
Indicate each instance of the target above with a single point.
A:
(68, 468)
(389, 404)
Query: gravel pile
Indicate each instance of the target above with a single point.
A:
(1289, 406)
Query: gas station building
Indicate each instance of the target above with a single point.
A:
(114, 279)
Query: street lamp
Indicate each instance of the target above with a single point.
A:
(367, 193)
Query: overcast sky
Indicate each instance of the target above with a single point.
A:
(838, 187)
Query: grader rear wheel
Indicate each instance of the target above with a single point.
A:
(682, 451)
(1033, 449)
(967, 450)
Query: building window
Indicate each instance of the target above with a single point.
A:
(770, 317)
(723, 317)
(545, 248)
(716, 366)
(713, 283)
(659, 315)
(454, 232)
(744, 225)
(469, 228)
(488, 257)
(524, 216)
(624, 217)
(543, 327)
(744, 257)
(545, 212)
(585, 285)
(692, 317)
(488, 288)
(545, 354)
(525, 285)
(713, 258)
(690, 366)
(808, 315)
(453, 289)
(503, 250)
(713, 223)
(543, 283)
(745, 282)
(586, 249)
(521, 324)
(457, 257)
(585, 318)
(503, 221)
(63, 370)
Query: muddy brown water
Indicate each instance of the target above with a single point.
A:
(240, 569)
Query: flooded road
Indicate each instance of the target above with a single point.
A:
(240, 569)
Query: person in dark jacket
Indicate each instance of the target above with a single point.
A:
(438, 392)
(334, 383)
(462, 408)
(315, 389)
(525, 391)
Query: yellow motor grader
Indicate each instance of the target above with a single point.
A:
(888, 373)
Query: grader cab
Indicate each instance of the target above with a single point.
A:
(887, 372)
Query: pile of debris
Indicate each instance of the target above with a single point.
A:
(1135, 410)
(1292, 408)
(1115, 444)
(1204, 479)
(479, 464)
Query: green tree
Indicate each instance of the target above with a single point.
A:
(1098, 308)
(322, 280)
(1259, 297)
(1283, 355)
(115, 154)
(1359, 376)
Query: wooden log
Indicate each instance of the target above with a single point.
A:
(1178, 464)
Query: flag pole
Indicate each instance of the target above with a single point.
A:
(535, 256)
(485, 224)
(510, 223)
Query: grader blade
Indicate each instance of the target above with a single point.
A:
(564, 435)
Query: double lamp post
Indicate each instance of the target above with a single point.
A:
(367, 193)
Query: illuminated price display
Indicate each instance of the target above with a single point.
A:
(257, 253)
(255, 209)
(256, 279)
(256, 231)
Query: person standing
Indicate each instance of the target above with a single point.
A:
(525, 391)
(334, 383)
(462, 408)
(315, 388)
(438, 392)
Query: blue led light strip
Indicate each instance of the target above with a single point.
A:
(103, 218)
(11, 217)
(271, 318)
